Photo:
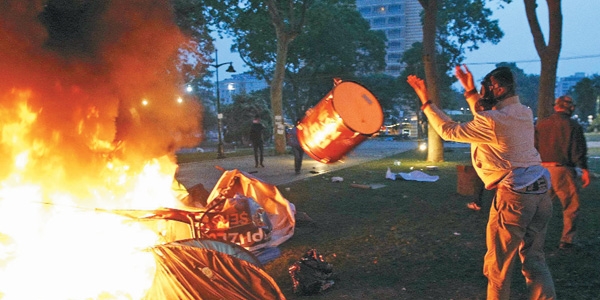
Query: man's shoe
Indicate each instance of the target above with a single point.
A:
(565, 246)
(261, 165)
(473, 206)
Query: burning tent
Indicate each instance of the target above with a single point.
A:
(279, 212)
(209, 269)
(92, 110)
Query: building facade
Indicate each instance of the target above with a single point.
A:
(563, 84)
(239, 84)
(401, 23)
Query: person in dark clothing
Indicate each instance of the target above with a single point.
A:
(562, 146)
(256, 137)
(478, 197)
(296, 148)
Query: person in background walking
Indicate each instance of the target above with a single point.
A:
(478, 199)
(256, 137)
(562, 146)
(296, 148)
(504, 156)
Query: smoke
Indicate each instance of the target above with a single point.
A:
(85, 81)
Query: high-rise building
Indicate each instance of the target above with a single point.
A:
(239, 84)
(400, 21)
(564, 84)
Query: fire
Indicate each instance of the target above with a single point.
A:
(65, 240)
(76, 144)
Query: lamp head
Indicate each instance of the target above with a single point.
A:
(230, 69)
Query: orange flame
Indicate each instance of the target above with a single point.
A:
(62, 239)
(75, 143)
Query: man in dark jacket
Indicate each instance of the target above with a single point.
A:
(256, 137)
(562, 146)
(296, 148)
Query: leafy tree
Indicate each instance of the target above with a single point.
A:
(267, 35)
(238, 116)
(320, 54)
(413, 62)
(586, 94)
(461, 24)
(197, 19)
(262, 32)
(387, 90)
(527, 85)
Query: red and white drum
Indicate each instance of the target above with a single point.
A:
(343, 119)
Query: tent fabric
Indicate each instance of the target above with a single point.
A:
(189, 272)
(280, 211)
(223, 247)
(238, 220)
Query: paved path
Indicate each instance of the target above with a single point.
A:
(280, 169)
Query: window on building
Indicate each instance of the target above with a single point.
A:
(394, 67)
(394, 8)
(394, 45)
(378, 21)
(394, 33)
(381, 10)
(364, 11)
(393, 20)
(394, 57)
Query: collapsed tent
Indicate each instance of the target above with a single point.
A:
(235, 185)
(241, 209)
(209, 253)
(208, 269)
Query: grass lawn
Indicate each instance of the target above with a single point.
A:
(417, 240)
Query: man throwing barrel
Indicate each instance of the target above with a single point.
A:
(504, 156)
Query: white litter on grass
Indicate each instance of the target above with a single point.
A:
(390, 175)
(419, 176)
(375, 186)
(337, 179)
(414, 175)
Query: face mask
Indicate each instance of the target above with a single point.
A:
(488, 100)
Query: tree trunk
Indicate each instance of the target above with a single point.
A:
(277, 94)
(435, 147)
(548, 53)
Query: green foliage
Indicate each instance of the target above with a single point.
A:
(254, 37)
(527, 85)
(387, 90)
(586, 94)
(462, 25)
(195, 18)
(413, 61)
(238, 116)
(336, 42)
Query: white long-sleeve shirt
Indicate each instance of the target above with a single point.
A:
(502, 141)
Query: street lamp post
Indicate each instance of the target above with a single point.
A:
(220, 150)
